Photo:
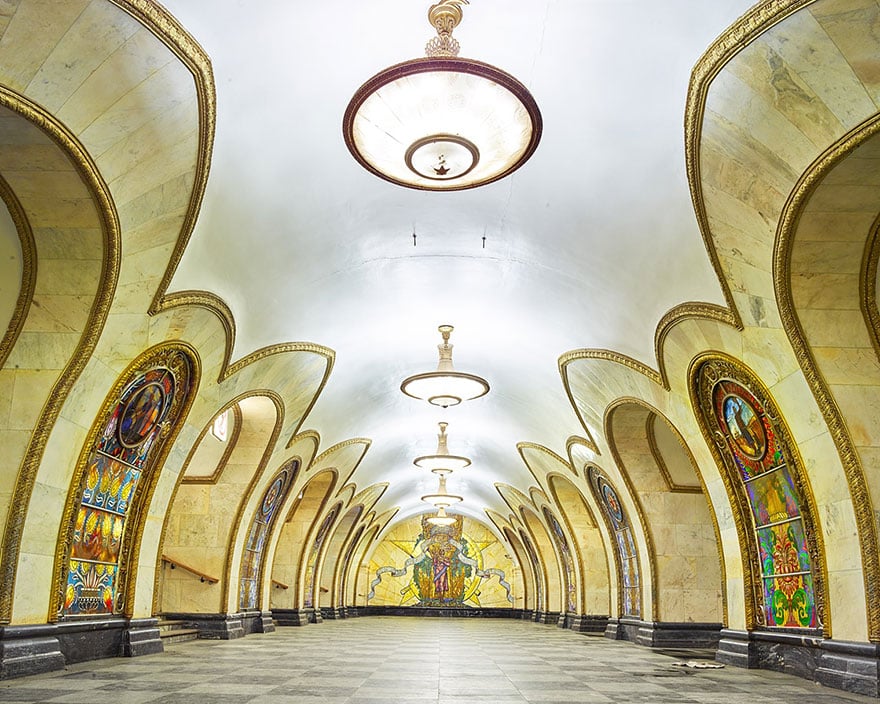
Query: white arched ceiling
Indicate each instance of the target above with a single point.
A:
(587, 245)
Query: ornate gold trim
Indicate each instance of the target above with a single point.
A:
(869, 542)
(740, 34)
(259, 471)
(606, 521)
(227, 451)
(359, 497)
(329, 492)
(650, 433)
(214, 304)
(868, 285)
(520, 446)
(135, 522)
(312, 435)
(337, 578)
(573, 440)
(165, 27)
(366, 442)
(28, 269)
(108, 218)
(604, 355)
(703, 373)
(688, 311)
(607, 430)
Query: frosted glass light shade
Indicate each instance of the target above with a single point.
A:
(442, 124)
(441, 518)
(442, 462)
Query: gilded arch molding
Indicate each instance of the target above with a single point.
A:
(129, 551)
(108, 220)
(752, 575)
(28, 269)
(869, 541)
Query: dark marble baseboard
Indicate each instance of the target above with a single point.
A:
(587, 623)
(850, 666)
(290, 617)
(664, 634)
(221, 626)
(442, 612)
(40, 648)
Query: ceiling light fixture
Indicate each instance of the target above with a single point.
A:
(442, 497)
(441, 519)
(445, 387)
(442, 462)
(442, 123)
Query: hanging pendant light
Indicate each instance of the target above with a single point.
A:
(445, 387)
(442, 462)
(442, 123)
(441, 518)
(442, 497)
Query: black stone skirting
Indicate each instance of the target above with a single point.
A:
(226, 626)
(31, 650)
(451, 612)
(664, 634)
(853, 667)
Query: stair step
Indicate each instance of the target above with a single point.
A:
(179, 635)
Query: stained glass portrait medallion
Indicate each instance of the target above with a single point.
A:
(744, 426)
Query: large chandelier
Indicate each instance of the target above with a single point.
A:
(441, 518)
(442, 462)
(442, 497)
(442, 123)
(445, 387)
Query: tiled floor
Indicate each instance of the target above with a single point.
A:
(379, 660)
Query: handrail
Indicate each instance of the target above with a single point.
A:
(280, 585)
(201, 575)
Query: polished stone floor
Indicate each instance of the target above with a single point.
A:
(384, 660)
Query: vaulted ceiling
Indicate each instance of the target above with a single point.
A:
(586, 246)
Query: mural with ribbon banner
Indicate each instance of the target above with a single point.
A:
(460, 565)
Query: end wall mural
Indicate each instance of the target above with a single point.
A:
(461, 565)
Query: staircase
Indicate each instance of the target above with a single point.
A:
(176, 632)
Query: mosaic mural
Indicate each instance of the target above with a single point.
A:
(788, 592)
(624, 543)
(442, 566)
(567, 560)
(309, 599)
(138, 424)
(261, 527)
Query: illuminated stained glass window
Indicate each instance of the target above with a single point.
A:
(311, 575)
(251, 570)
(763, 466)
(567, 561)
(624, 543)
(126, 452)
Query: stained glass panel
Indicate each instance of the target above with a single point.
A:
(618, 522)
(773, 497)
(252, 558)
(113, 471)
(789, 600)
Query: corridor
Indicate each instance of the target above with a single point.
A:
(413, 661)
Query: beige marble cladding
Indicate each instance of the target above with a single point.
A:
(688, 578)
(199, 522)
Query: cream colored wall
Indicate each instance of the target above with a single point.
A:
(200, 520)
(11, 267)
(688, 577)
(293, 543)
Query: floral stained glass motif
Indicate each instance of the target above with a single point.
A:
(260, 528)
(627, 558)
(114, 470)
(789, 599)
(567, 561)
